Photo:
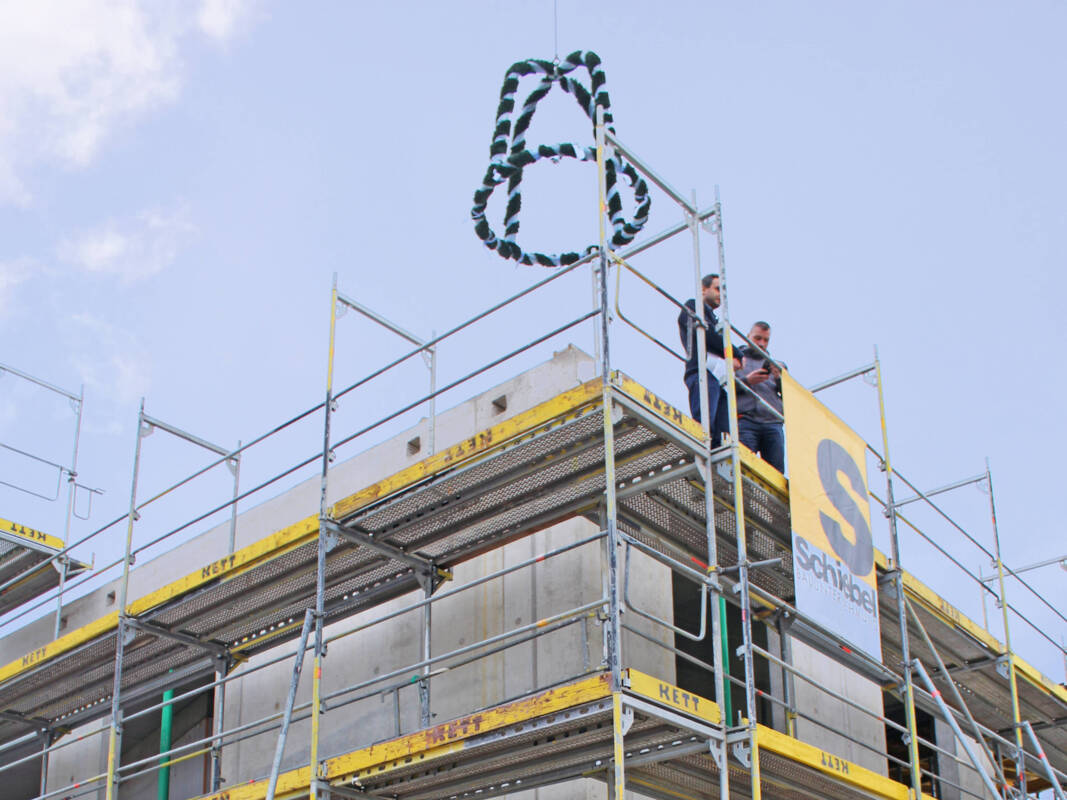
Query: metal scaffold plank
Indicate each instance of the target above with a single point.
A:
(509, 746)
(535, 469)
(31, 554)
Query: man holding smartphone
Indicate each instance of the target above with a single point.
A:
(758, 427)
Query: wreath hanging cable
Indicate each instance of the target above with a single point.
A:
(509, 156)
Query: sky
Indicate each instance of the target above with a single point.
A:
(180, 181)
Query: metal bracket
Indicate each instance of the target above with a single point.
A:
(742, 752)
(332, 541)
(341, 791)
(627, 719)
(34, 722)
(715, 750)
(134, 625)
(360, 536)
(1002, 667)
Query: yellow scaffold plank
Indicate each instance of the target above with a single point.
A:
(30, 534)
(557, 408)
(304, 531)
(219, 569)
(829, 764)
(61, 645)
(667, 694)
(752, 464)
(431, 743)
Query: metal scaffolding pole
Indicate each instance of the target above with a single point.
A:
(290, 701)
(72, 488)
(1020, 759)
(716, 601)
(46, 738)
(219, 707)
(898, 580)
(614, 630)
(739, 514)
(114, 743)
(320, 570)
(1049, 771)
(956, 693)
(951, 720)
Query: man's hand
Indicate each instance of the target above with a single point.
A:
(757, 376)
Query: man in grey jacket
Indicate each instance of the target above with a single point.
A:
(758, 428)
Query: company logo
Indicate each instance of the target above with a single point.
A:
(832, 577)
(858, 554)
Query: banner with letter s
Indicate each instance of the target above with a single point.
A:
(833, 550)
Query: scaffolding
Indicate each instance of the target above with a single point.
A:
(645, 474)
(32, 562)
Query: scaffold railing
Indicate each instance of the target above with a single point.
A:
(658, 501)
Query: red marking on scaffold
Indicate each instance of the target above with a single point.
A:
(696, 560)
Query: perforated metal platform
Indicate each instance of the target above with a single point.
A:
(567, 733)
(533, 470)
(978, 665)
(23, 548)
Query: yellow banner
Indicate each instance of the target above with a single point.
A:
(833, 550)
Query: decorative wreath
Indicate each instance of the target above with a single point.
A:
(508, 162)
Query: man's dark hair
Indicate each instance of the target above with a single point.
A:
(763, 326)
(707, 279)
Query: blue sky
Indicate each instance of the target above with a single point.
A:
(179, 182)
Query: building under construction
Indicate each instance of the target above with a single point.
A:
(557, 586)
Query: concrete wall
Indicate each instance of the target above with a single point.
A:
(831, 713)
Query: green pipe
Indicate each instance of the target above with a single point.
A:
(727, 689)
(166, 722)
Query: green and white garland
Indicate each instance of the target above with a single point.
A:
(507, 163)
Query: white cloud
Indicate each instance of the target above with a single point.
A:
(219, 18)
(110, 361)
(12, 273)
(72, 71)
(131, 250)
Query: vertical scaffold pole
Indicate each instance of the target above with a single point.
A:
(716, 601)
(46, 737)
(739, 510)
(114, 741)
(72, 488)
(1020, 763)
(219, 705)
(614, 628)
(425, 715)
(320, 571)
(898, 579)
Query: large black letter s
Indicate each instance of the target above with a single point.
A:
(833, 458)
